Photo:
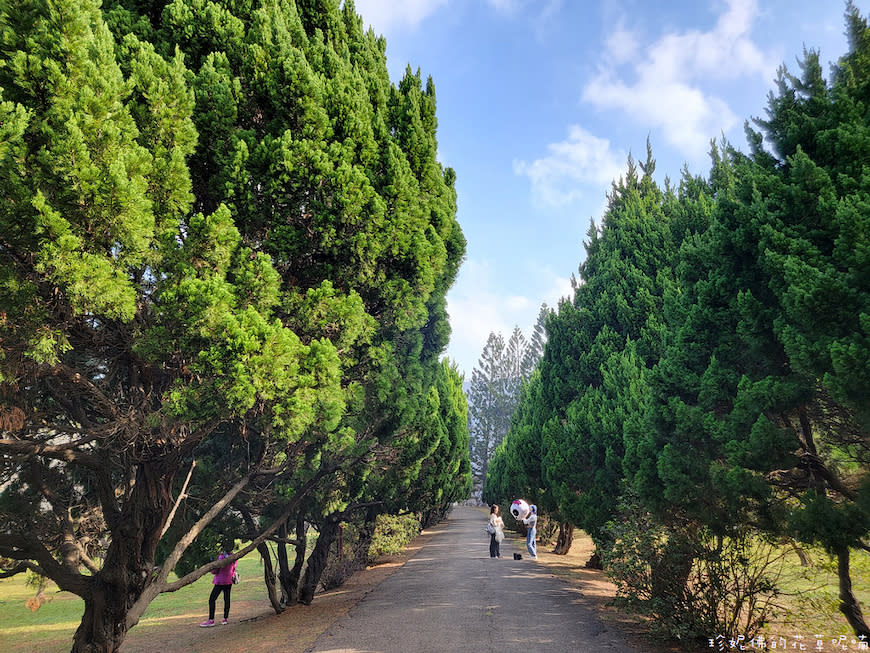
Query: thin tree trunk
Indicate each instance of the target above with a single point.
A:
(849, 605)
(269, 578)
(290, 582)
(318, 559)
(367, 534)
(266, 557)
(594, 561)
(565, 538)
(283, 565)
(428, 518)
(801, 554)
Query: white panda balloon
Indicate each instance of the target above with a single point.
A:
(520, 509)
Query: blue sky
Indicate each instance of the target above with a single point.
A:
(540, 103)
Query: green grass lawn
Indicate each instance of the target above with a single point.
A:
(811, 595)
(51, 628)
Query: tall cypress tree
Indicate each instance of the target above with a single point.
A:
(134, 324)
(598, 343)
(813, 232)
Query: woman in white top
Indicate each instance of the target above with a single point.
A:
(495, 528)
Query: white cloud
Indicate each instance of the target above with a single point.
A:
(581, 159)
(387, 15)
(390, 15)
(477, 307)
(667, 91)
(514, 6)
(558, 290)
(517, 302)
(621, 45)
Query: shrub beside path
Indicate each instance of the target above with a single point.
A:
(451, 596)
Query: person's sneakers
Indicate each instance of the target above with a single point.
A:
(224, 622)
(207, 623)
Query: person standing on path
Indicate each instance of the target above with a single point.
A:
(223, 582)
(473, 604)
(495, 528)
(531, 523)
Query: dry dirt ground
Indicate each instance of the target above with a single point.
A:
(257, 631)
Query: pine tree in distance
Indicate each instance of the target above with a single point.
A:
(495, 389)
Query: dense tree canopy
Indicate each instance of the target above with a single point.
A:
(711, 370)
(226, 238)
(615, 312)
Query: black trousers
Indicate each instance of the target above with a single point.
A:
(494, 551)
(216, 590)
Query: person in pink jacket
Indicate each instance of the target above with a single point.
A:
(223, 582)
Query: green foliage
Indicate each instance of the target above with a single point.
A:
(599, 347)
(226, 238)
(444, 473)
(834, 525)
(515, 469)
(693, 584)
(392, 534)
(693, 369)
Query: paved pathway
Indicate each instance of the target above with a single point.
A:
(452, 596)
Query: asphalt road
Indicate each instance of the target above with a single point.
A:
(452, 596)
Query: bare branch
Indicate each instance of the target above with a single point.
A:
(29, 548)
(21, 567)
(159, 584)
(815, 464)
(292, 506)
(66, 452)
(87, 561)
(182, 495)
(71, 377)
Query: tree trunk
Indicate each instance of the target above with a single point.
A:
(805, 562)
(428, 518)
(289, 578)
(670, 571)
(367, 534)
(283, 565)
(317, 560)
(565, 538)
(849, 605)
(129, 564)
(266, 557)
(594, 561)
(103, 625)
(269, 578)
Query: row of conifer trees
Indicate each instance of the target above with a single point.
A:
(225, 244)
(709, 381)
